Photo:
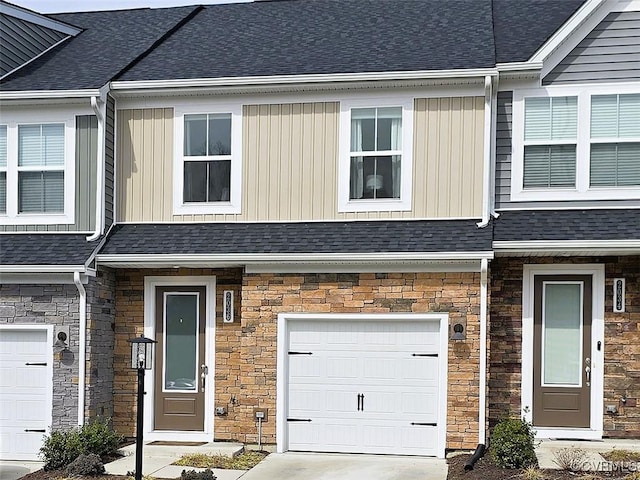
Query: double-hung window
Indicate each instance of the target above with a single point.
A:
(208, 166)
(615, 140)
(375, 165)
(576, 143)
(37, 172)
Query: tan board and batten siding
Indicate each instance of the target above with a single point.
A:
(290, 163)
(85, 201)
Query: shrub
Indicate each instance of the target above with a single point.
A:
(532, 473)
(63, 447)
(571, 459)
(193, 475)
(512, 444)
(86, 465)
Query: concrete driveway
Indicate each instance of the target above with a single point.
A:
(321, 466)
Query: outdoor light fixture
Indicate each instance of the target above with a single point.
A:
(141, 360)
(458, 332)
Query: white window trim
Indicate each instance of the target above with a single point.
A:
(582, 190)
(233, 206)
(12, 120)
(406, 166)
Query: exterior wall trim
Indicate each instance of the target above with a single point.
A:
(597, 390)
(150, 284)
(282, 365)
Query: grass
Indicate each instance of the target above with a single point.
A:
(244, 461)
(532, 473)
(621, 456)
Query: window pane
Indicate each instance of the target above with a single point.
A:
(537, 118)
(3, 192)
(40, 192)
(562, 334)
(564, 118)
(219, 180)
(549, 166)
(195, 135)
(390, 128)
(604, 116)
(375, 177)
(629, 123)
(3, 145)
(195, 182)
(41, 145)
(363, 122)
(181, 342)
(615, 165)
(220, 134)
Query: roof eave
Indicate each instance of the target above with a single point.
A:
(567, 247)
(49, 94)
(43, 268)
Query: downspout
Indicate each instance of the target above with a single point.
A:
(82, 347)
(486, 170)
(482, 387)
(98, 104)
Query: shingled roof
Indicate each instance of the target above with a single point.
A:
(292, 37)
(558, 225)
(45, 249)
(298, 238)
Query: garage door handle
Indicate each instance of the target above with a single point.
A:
(424, 424)
(37, 364)
(361, 402)
(36, 431)
(300, 353)
(298, 419)
(424, 354)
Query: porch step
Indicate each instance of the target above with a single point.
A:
(157, 457)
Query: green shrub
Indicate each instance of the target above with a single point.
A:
(512, 444)
(64, 446)
(86, 465)
(193, 475)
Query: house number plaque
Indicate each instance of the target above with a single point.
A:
(618, 295)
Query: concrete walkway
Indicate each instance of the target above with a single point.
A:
(547, 449)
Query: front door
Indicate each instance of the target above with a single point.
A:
(562, 351)
(180, 360)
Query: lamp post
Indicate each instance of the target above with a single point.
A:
(141, 360)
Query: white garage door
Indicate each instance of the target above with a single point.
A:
(366, 386)
(25, 383)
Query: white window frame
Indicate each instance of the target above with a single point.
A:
(31, 117)
(233, 206)
(582, 190)
(345, 204)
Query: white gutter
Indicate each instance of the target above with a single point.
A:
(44, 94)
(82, 347)
(482, 408)
(42, 269)
(486, 164)
(99, 107)
(257, 258)
(633, 246)
(290, 79)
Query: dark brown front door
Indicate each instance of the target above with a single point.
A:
(562, 351)
(180, 332)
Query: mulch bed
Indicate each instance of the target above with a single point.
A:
(485, 469)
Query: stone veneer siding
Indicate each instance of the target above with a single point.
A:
(246, 350)
(621, 342)
(59, 305)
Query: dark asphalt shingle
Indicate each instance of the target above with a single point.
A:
(550, 225)
(45, 249)
(298, 238)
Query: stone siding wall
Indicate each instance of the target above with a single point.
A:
(245, 371)
(50, 305)
(621, 342)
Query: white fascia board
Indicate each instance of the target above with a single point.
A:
(38, 19)
(543, 246)
(42, 268)
(300, 79)
(257, 259)
(529, 66)
(49, 94)
(41, 278)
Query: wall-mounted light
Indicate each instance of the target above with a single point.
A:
(61, 343)
(458, 332)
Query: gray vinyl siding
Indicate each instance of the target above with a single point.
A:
(504, 134)
(611, 52)
(109, 160)
(85, 202)
(21, 41)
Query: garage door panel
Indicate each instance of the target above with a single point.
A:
(393, 364)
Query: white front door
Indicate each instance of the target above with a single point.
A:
(365, 386)
(25, 392)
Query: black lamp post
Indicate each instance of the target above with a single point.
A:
(141, 360)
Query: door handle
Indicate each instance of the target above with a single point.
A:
(204, 371)
(587, 370)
